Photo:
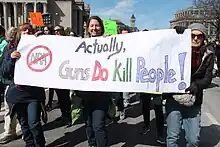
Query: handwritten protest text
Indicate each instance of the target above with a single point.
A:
(159, 75)
(123, 74)
(113, 47)
(99, 72)
(66, 72)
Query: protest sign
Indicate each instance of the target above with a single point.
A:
(36, 18)
(153, 61)
(110, 27)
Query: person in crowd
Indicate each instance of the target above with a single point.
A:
(50, 105)
(63, 95)
(125, 31)
(3, 44)
(95, 103)
(158, 108)
(73, 34)
(24, 101)
(59, 30)
(12, 129)
(126, 97)
(185, 109)
(118, 101)
(146, 99)
(48, 30)
(3, 41)
(217, 53)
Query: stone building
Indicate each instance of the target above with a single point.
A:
(131, 28)
(68, 13)
(191, 15)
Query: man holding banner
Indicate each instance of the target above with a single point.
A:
(185, 109)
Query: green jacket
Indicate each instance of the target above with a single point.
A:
(3, 44)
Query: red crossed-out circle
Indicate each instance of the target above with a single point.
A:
(30, 63)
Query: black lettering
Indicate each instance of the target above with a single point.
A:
(113, 47)
(118, 50)
(89, 46)
(99, 49)
(105, 47)
(83, 45)
(95, 45)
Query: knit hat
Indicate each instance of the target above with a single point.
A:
(200, 27)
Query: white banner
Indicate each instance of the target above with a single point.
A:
(153, 61)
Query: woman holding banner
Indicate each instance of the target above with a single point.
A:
(12, 129)
(25, 101)
(96, 103)
(184, 110)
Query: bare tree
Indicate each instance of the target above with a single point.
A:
(211, 12)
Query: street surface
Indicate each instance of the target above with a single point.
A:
(127, 132)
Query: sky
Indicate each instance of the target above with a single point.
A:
(150, 14)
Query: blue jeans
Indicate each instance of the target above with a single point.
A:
(94, 115)
(188, 117)
(29, 117)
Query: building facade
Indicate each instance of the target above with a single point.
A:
(131, 28)
(68, 13)
(191, 15)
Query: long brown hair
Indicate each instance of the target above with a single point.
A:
(23, 27)
(100, 23)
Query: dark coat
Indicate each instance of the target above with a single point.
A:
(18, 93)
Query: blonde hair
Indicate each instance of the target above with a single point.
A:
(11, 34)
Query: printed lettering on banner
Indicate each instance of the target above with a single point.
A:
(153, 61)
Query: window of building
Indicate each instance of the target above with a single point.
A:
(201, 12)
(196, 12)
(210, 32)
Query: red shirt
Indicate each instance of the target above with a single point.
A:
(196, 60)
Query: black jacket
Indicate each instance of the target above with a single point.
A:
(202, 77)
(18, 93)
(217, 50)
(93, 94)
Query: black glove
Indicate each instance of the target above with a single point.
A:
(193, 89)
(179, 29)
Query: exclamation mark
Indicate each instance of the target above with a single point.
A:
(182, 84)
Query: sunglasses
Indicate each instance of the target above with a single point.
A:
(198, 36)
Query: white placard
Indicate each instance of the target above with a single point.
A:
(153, 61)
